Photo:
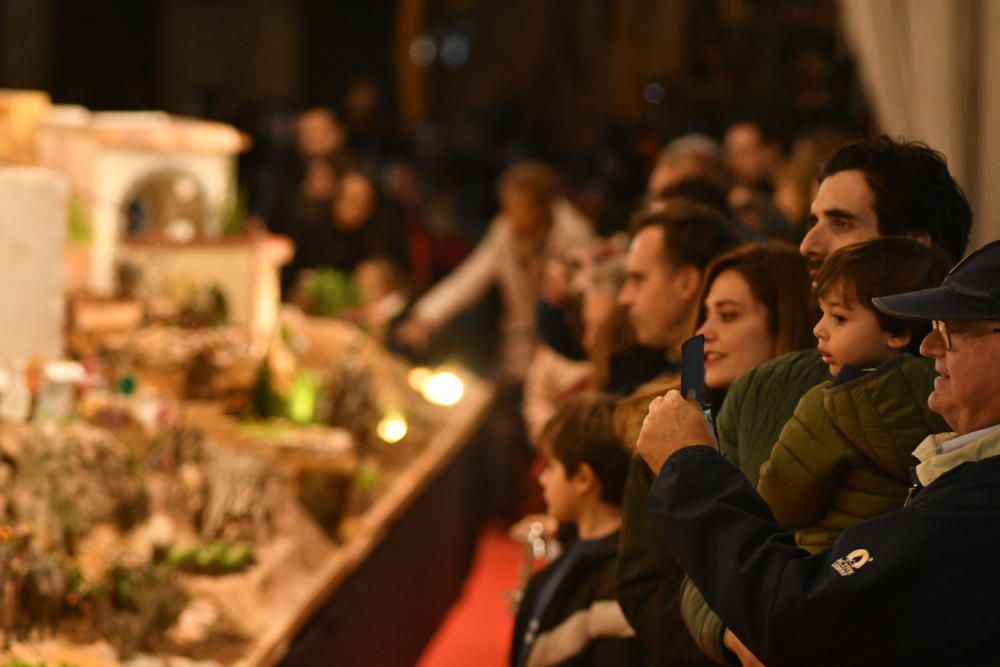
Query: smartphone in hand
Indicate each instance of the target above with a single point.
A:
(693, 374)
(693, 369)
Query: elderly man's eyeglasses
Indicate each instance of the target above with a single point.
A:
(947, 331)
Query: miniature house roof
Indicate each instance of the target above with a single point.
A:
(154, 130)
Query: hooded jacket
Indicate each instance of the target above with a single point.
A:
(846, 453)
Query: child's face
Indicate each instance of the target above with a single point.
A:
(849, 333)
(562, 497)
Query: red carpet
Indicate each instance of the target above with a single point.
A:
(477, 629)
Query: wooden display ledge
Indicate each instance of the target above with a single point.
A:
(371, 527)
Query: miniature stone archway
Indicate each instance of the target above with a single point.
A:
(167, 202)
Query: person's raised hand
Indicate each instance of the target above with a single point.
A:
(733, 643)
(672, 423)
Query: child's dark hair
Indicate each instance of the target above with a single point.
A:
(884, 266)
(582, 430)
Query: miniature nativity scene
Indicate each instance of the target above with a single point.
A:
(188, 467)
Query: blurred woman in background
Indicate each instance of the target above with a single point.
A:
(351, 227)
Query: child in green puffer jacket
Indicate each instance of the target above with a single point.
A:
(846, 454)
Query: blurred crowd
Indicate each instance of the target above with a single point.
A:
(396, 214)
(785, 253)
(474, 242)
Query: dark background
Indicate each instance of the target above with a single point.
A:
(561, 72)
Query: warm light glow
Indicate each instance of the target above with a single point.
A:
(443, 388)
(65, 371)
(417, 377)
(180, 230)
(392, 428)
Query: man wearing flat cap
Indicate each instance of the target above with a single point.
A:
(919, 586)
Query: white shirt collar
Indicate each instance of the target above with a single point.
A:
(962, 440)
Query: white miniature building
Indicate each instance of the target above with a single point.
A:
(108, 157)
(32, 237)
(154, 190)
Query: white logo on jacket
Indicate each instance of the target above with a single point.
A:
(853, 562)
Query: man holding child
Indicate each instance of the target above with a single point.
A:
(867, 190)
(881, 592)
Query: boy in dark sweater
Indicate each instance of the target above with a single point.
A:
(569, 615)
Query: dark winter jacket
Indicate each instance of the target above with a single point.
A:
(758, 405)
(582, 624)
(913, 587)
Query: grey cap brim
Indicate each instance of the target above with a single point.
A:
(936, 303)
